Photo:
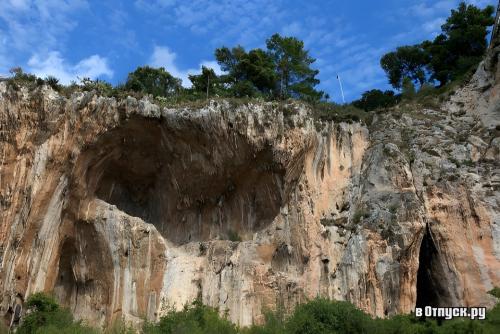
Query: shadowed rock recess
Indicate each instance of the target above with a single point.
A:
(183, 184)
(125, 209)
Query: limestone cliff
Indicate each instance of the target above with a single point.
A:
(123, 208)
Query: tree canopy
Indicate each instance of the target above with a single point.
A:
(296, 78)
(405, 62)
(154, 81)
(282, 71)
(247, 74)
(206, 82)
(458, 48)
(375, 98)
(461, 44)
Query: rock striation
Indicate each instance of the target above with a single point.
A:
(125, 209)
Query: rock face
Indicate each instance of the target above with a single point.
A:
(125, 209)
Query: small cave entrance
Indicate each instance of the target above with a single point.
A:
(193, 184)
(432, 289)
(65, 288)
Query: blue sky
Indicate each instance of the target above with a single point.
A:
(109, 39)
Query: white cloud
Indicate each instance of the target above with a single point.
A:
(53, 64)
(163, 57)
(35, 26)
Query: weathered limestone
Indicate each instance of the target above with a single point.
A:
(122, 208)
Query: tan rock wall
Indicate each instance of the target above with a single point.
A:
(126, 209)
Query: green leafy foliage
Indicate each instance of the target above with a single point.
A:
(194, 319)
(100, 86)
(461, 44)
(234, 236)
(45, 316)
(322, 316)
(405, 62)
(154, 81)
(359, 214)
(53, 82)
(258, 67)
(248, 74)
(376, 99)
(20, 78)
(328, 111)
(495, 292)
(282, 71)
(274, 324)
(207, 83)
(458, 48)
(318, 316)
(296, 78)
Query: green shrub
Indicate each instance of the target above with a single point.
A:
(194, 319)
(119, 326)
(53, 82)
(274, 324)
(322, 316)
(233, 236)
(100, 86)
(376, 99)
(154, 81)
(495, 292)
(360, 213)
(328, 111)
(45, 316)
(20, 78)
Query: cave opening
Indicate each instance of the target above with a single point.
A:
(432, 287)
(192, 184)
(66, 285)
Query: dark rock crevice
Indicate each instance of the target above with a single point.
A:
(432, 285)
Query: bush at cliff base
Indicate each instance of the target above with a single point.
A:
(194, 319)
(319, 316)
(45, 316)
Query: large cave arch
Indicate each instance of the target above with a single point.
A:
(192, 182)
(432, 285)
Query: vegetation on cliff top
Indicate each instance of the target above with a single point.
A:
(425, 72)
(319, 316)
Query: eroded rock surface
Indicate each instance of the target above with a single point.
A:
(122, 208)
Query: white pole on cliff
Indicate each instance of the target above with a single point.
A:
(341, 90)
